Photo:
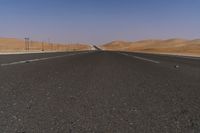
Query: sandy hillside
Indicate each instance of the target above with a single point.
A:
(15, 45)
(175, 46)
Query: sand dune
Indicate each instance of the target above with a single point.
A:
(174, 46)
(171, 46)
(18, 45)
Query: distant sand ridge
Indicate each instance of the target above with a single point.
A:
(17, 45)
(171, 46)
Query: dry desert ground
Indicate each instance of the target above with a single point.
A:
(171, 46)
(18, 45)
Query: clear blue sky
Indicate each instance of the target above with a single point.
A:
(99, 21)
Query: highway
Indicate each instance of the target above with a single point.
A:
(99, 92)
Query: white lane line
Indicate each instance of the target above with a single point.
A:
(187, 57)
(40, 59)
(141, 58)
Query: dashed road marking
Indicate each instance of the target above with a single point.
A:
(188, 57)
(141, 58)
(39, 59)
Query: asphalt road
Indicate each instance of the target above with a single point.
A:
(99, 92)
(9, 58)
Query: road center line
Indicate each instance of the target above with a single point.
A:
(39, 59)
(141, 58)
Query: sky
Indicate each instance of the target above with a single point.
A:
(99, 21)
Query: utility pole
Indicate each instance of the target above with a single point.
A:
(51, 46)
(30, 45)
(58, 47)
(42, 46)
(26, 43)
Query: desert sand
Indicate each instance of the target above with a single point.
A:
(18, 45)
(170, 46)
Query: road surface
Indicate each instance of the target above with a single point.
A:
(99, 92)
